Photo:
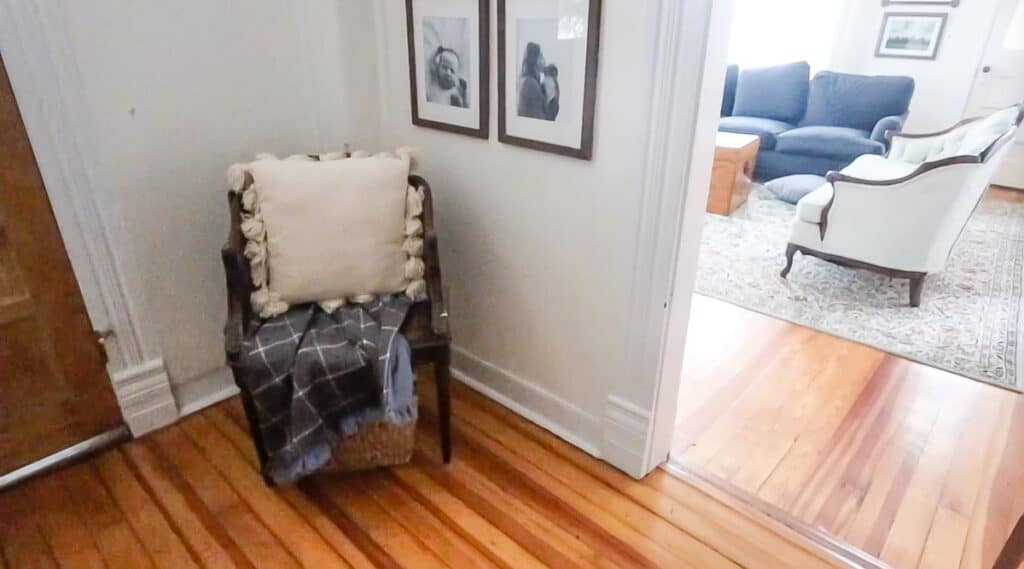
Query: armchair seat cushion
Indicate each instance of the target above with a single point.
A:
(767, 129)
(872, 167)
(828, 142)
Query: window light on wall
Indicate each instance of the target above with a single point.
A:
(781, 31)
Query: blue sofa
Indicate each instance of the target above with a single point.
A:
(817, 125)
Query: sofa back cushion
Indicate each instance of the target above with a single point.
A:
(778, 93)
(856, 101)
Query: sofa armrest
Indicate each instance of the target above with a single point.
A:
(886, 127)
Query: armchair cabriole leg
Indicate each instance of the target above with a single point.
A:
(442, 376)
(790, 252)
(916, 288)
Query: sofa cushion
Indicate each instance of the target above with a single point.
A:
(809, 208)
(791, 189)
(828, 142)
(778, 92)
(856, 101)
(981, 135)
(767, 129)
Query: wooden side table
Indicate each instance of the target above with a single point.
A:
(733, 172)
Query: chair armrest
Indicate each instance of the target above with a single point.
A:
(239, 282)
(887, 127)
(432, 260)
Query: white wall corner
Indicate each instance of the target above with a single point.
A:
(144, 395)
(529, 400)
(625, 435)
(201, 392)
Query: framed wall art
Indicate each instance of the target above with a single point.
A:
(449, 64)
(547, 74)
(911, 36)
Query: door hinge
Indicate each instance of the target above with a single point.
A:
(101, 344)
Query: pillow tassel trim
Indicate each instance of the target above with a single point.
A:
(268, 303)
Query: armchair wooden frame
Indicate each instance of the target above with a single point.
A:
(426, 327)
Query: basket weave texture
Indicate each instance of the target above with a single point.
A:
(377, 444)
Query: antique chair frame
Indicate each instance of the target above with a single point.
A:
(426, 327)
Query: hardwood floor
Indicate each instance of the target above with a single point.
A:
(912, 464)
(514, 496)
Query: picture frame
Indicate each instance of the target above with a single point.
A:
(547, 74)
(911, 35)
(449, 65)
(950, 3)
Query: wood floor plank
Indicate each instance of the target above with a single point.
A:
(114, 536)
(475, 528)
(203, 534)
(64, 531)
(655, 538)
(308, 547)
(254, 539)
(407, 549)
(908, 462)
(713, 523)
(20, 537)
(415, 518)
(228, 419)
(164, 545)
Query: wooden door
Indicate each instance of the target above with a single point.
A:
(1000, 81)
(54, 389)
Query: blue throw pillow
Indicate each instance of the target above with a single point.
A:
(791, 188)
(778, 92)
(856, 101)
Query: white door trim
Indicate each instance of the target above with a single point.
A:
(689, 72)
(41, 66)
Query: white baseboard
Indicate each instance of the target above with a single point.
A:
(625, 435)
(203, 391)
(144, 395)
(529, 400)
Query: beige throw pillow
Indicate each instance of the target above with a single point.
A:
(330, 231)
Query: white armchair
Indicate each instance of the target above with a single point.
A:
(901, 214)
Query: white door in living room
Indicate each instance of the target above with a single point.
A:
(1000, 81)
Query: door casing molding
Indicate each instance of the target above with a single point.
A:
(41, 66)
(689, 70)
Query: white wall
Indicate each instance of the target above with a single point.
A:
(175, 92)
(539, 249)
(943, 85)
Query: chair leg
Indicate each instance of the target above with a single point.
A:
(442, 376)
(916, 288)
(790, 252)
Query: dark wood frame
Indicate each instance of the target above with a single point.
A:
(426, 327)
(916, 278)
(938, 41)
(586, 149)
(484, 130)
(1012, 554)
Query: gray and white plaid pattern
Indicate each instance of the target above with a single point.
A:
(307, 370)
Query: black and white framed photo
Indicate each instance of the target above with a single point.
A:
(912, 36)
(953, 3)
(547, 74)
(449, 61)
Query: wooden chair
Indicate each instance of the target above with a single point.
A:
(426, 327)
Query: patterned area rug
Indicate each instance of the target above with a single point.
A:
(969, 321)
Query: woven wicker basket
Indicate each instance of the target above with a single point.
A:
(378, 444)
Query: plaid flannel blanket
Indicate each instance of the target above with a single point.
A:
(315, 377)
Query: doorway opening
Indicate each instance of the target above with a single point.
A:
(853, 363)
